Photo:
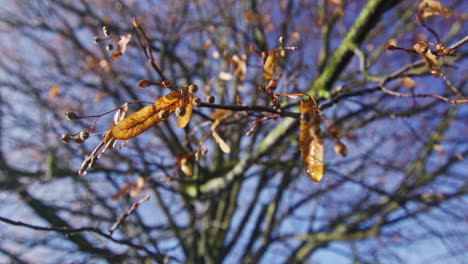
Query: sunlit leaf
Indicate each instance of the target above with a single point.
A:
(121, 46)
(428, 8)
(142, 120)
(430, 59)
(269, 67)
(310, 142)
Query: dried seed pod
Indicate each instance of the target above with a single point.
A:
(180, 111)
(106, 31)
(84, 135)
(196, 101)
(109, 47)
(340, 148)
(66, 138)
(210, 99)
(71, 116)
(163, 114)
(193, 88)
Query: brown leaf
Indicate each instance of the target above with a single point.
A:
(122, 191)
(53, 91)
(121, 46)
(269, 66)
(145, 118)
(310, 142)
(408, 82)
(428, 8)
(137, 187)
(430, 59)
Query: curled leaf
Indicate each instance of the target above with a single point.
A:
(121, 46)
(310, 142)
(428, 8)
(270, 64)
(429, 59)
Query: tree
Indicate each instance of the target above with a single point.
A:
(387, 78)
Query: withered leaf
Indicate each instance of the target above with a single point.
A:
(270, 64)
(121, 46)
(429, 59)
(428, 8)
(310, 142)
(145, 118)
(53, 91)
(219, 140)
(122, 191)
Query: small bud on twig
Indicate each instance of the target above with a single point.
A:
(210, 99)
(193, 88)
(196, 101)
(71, 116)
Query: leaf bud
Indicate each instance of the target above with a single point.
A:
(71, 116)
(96, 39)
(193, 88)
(78, 140)
(281, 39)
(106, 31)
(196, 101)
(163, 114)
(210, 99)
(180, 111)
(340, 148)
(84, 135)
(109, 47)
(65, 138)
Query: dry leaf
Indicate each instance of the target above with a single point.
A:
(240, 66)
(148, 116)
(428, 8)
(137, 187)
(122, 191)
(269, 66)
(430, 59)
(221, 143)
(408, 82)
(53, 91)
(310, 142)
(121, 46)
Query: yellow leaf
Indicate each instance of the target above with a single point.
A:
(269, 67)
(428, 8)
(145, 118)
(310, 142)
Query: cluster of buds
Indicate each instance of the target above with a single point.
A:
(77, 138)
(107, 36)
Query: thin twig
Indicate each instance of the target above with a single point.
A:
(127, 214)
(70, 231)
